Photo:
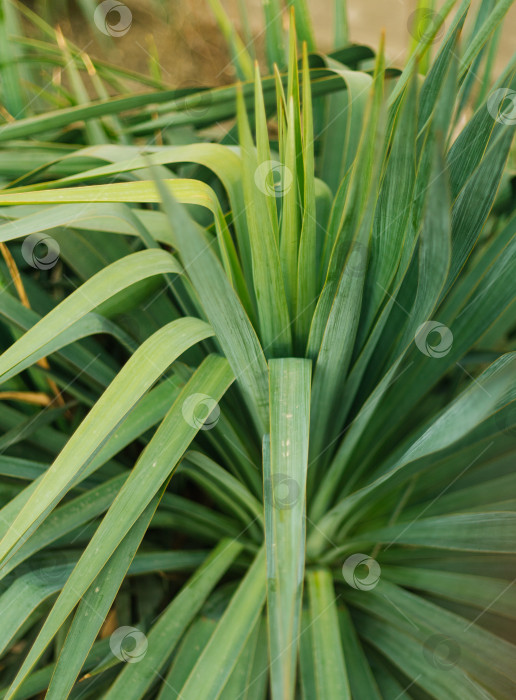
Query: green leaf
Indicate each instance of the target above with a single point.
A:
(330, 666)
(480, 592)
(242, 675)
(307, 272)
(478, 402)
(423, 46)
(239, 53)
(348, 218)
(474, 202)
(284, 503)
(361, 678)
(399, 647)
(164, 635)
(267, 273)
(392, 231)
(341, 23)
(289, 237)
(475, 46)
(304, 23)
(100, 287)
(223, 487)
(25, 596)
(274, 38)
(433, 82)
(65, 116)
(94, 607)
(138, 375)
(13, 95)
(228, 640)
(343, 127)
(68, 518)
(476, 653)
(476, 532)
(194, 641)
(224, 311)
(154, 467)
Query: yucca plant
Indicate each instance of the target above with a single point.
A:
(258, 395)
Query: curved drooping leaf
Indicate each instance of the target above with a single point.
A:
(165, 449)
(138, 375)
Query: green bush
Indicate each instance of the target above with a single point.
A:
(259, 382)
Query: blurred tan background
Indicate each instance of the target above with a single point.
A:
(191, 49)
(367, 18)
